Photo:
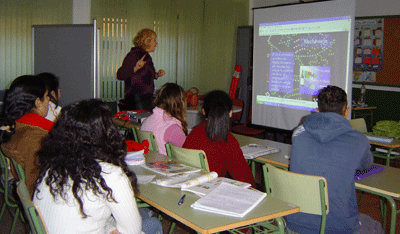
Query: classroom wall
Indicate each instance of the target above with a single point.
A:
(219, 42)
(217, 35)
(16, 19)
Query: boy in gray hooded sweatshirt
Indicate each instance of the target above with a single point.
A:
(326, 145)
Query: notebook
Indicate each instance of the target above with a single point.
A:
(253, 151)
(370, 171)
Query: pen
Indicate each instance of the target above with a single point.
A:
(181, 200)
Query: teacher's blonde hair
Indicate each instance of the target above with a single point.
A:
(143, 37)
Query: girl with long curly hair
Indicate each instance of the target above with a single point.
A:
(84, 185)
(168, 121)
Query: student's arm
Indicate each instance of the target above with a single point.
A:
(125, 211)
(175, 135)
(367, 159)
(236, 163)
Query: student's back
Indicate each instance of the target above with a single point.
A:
(326, 145)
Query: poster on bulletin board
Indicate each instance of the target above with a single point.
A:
(368, 45)
(359, 76)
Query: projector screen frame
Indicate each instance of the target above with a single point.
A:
(348, 72)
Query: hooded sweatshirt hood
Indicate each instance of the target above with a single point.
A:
(326, 126)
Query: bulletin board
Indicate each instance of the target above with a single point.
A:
(377, 50)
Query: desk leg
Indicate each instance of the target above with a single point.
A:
(383, 206)
(388, 156)
(253, 168)
(393, 212)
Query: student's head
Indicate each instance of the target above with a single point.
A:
(217, 108)
(146, 39)
(172, 99)
(333, 99)
(83, 136)
(53, 86)
(26, 94)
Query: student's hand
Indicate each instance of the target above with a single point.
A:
(160, 73)
(139, 64)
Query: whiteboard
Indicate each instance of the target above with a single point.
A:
(70, 53)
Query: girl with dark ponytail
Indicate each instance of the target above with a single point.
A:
(213, 136)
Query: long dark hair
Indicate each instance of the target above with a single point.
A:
(83, 136)
(172, 99)
(52, 84)
(20, 99)
(217, 105)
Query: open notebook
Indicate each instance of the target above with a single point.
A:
(360, 174)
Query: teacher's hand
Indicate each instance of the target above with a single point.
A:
(160, 73)
(139, 64)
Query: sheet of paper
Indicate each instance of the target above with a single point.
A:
(144, 179)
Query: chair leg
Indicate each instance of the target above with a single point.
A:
(2, 210)
(359, 199)
(17, 214)
(172, 227)
(383, 206)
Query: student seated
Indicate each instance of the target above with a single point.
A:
(326, 145)
(23, 123)
(83, 184)
(223, 151)
(168, 121)
(53, 88)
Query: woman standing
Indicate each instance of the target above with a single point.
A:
(23, 123)
(213, 136)
(83, 184)
(138, 72)
(168, 121)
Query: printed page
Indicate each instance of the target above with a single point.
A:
(206, 187)
(231, 200)
(186, 180)
(169, 168)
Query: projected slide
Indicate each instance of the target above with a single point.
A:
(297, 64)
(299, 49)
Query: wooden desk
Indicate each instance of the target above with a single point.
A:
(166, 200)
(280, 160)
(126, 124)
(387, 156)
(384, 184)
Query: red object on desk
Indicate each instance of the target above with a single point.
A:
(135, 146)
(124, 116)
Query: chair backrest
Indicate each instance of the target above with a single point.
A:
(310, 193)
(32, 212)
(19, 170)
(359, 125)
(191, 157)
(140, 136)
(4, 179)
